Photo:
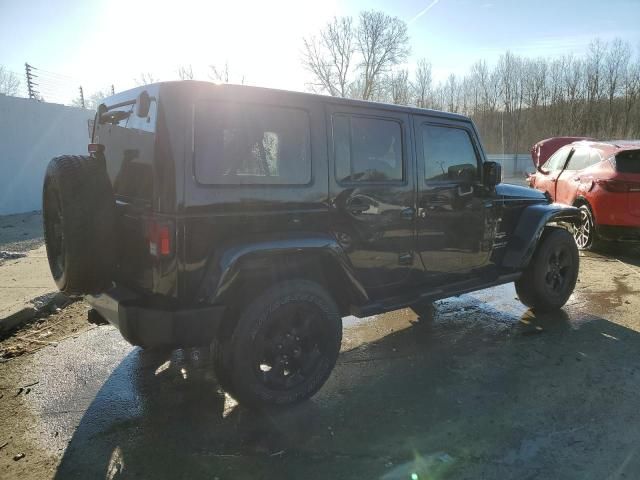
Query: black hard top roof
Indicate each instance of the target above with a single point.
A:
(191, 84)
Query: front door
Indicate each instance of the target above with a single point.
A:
(569, 181)
(547, 178)
(371, 186)
(456, 221)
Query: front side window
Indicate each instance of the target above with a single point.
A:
(367, 149)
(237, 143)
(448, 154)
(580, 159)
(556, 161)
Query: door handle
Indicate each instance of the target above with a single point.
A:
(356, 207)
(464, 193)
(407, 213)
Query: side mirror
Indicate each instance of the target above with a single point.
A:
(491, 174)
(143, 104)
(541, 170)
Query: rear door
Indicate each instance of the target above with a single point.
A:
(456, 215)
(371, 189)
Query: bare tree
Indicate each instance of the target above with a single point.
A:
(616, 63)
(9, 82)
(222, 74)
(452, 93)
(399, 87)
(185, 72)
(422, 83)
(329, 57)
(145, 78)
(93, 100)
(382, 43)
(219, 74)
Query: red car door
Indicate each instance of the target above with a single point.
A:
(547, 177)
(568, 180)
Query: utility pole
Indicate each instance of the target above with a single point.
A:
(81, 97)
(30, 83)
(113, 92)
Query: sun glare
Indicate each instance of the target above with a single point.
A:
(259, 40)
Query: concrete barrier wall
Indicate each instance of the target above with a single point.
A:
(31, 133)
(513, 165)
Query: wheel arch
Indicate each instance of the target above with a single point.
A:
(582, 200)
(254, 266)
(530, 228)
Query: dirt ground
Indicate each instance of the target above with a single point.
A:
(483, 389)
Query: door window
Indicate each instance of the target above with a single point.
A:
(448, 154)
(556, 161)
(367, 149)
(580, 159)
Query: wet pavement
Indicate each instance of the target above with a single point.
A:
(482, 388)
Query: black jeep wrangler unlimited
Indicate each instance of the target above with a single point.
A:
(256, 219)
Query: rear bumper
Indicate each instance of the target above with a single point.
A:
(619, 233)
(145, 323)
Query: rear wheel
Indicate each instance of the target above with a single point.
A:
(548, 281)
(284, 345)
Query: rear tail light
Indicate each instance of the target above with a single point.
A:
(159, 235)
(619, 186)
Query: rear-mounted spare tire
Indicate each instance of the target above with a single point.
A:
(79, 222)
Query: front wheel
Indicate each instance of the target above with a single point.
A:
(585, 232)
(283, 347)
(548, 281)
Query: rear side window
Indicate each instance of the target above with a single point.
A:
(628, 162)
(367, 149)
(237, 143)
(448, 151)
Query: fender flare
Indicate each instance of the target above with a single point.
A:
(226, 268)
(527, 233)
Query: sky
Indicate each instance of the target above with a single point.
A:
(96, 43)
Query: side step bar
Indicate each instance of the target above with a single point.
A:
(429, 295)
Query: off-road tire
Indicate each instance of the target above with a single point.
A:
(234, 357)
(535, 287)
(79, 223)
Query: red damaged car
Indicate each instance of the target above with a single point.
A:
(602, 178)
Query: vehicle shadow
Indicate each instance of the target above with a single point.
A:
(540, 396)
(627, 252)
